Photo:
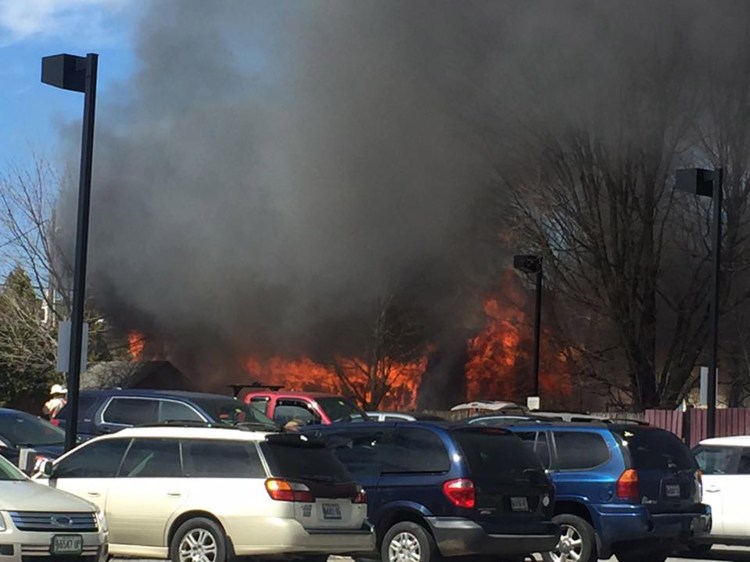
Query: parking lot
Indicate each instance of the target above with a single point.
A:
(717, 554)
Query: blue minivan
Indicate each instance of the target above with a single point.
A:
(624, 489)
(437, 489)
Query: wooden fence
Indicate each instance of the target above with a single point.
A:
(691, 425)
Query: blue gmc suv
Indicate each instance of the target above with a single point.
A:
(437, 489)
(623, 489)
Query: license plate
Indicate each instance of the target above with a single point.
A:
(67, 544)
(331, 511)
(519, 504)
(672, 490)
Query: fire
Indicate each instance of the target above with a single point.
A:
(396, 382)
(494, 354)
(500, 356)
(136, 344)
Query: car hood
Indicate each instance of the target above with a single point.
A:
(25, 495)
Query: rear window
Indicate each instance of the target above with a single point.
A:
(303, 461)
(656, 449)
(488, 453)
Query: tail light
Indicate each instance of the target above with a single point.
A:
(460, 492)
(55, 422)
(627, 485)
(698, 495)
(361, 496)
(286, 491)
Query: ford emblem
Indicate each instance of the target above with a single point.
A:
(61, 521)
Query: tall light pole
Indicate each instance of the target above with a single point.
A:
(533, 264)
(708, 183)
(77, 74)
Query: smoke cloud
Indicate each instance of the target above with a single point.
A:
(272, 167)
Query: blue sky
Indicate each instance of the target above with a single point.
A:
(31, 29)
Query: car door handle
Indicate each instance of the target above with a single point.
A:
(713, 490)
(174, 494)
(93, 494)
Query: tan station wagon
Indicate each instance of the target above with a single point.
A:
(204, 494)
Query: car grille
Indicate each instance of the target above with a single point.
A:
(49, 521)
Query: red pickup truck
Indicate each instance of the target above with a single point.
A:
(306, 408)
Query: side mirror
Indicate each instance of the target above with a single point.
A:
(47, 468)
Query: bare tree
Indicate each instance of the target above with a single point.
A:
(390, 350)
(596, 200)
(723, 134)
(28, 197)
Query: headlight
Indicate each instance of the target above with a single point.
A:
(101, 520)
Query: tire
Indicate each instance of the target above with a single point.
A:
(315, 558)
(207, 538)
(699, 548)
(577, 536)
(405, 538)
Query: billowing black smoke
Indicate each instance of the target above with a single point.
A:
(272, 168)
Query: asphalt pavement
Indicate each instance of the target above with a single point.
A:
(717, 554)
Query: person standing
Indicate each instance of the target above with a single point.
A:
(58, 399)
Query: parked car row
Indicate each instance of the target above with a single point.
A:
(626, 490)
(407, 489)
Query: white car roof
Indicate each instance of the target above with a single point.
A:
(737, 441)
(485, 405)
(229, 434)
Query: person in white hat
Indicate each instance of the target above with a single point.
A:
(58, 399)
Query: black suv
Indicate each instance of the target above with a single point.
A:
(447, 489)
(106, 411)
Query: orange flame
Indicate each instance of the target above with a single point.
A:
(500, 361)
(402, 379)
(136, 344)
(493, 354)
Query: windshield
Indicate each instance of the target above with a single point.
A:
(234, 411)
(10, 472)
(656, 449)
(297, 461)
(340, 409)
(24, 430)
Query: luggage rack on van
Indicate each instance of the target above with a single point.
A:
(242, 426)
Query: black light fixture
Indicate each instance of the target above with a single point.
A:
(708, 183)
(77, 74)
(533, 265)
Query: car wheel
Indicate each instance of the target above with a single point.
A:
(198, 540)
(699, 548)
(408, 542)
(577, 541)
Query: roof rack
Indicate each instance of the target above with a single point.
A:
(242, 426)
(237, 388)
